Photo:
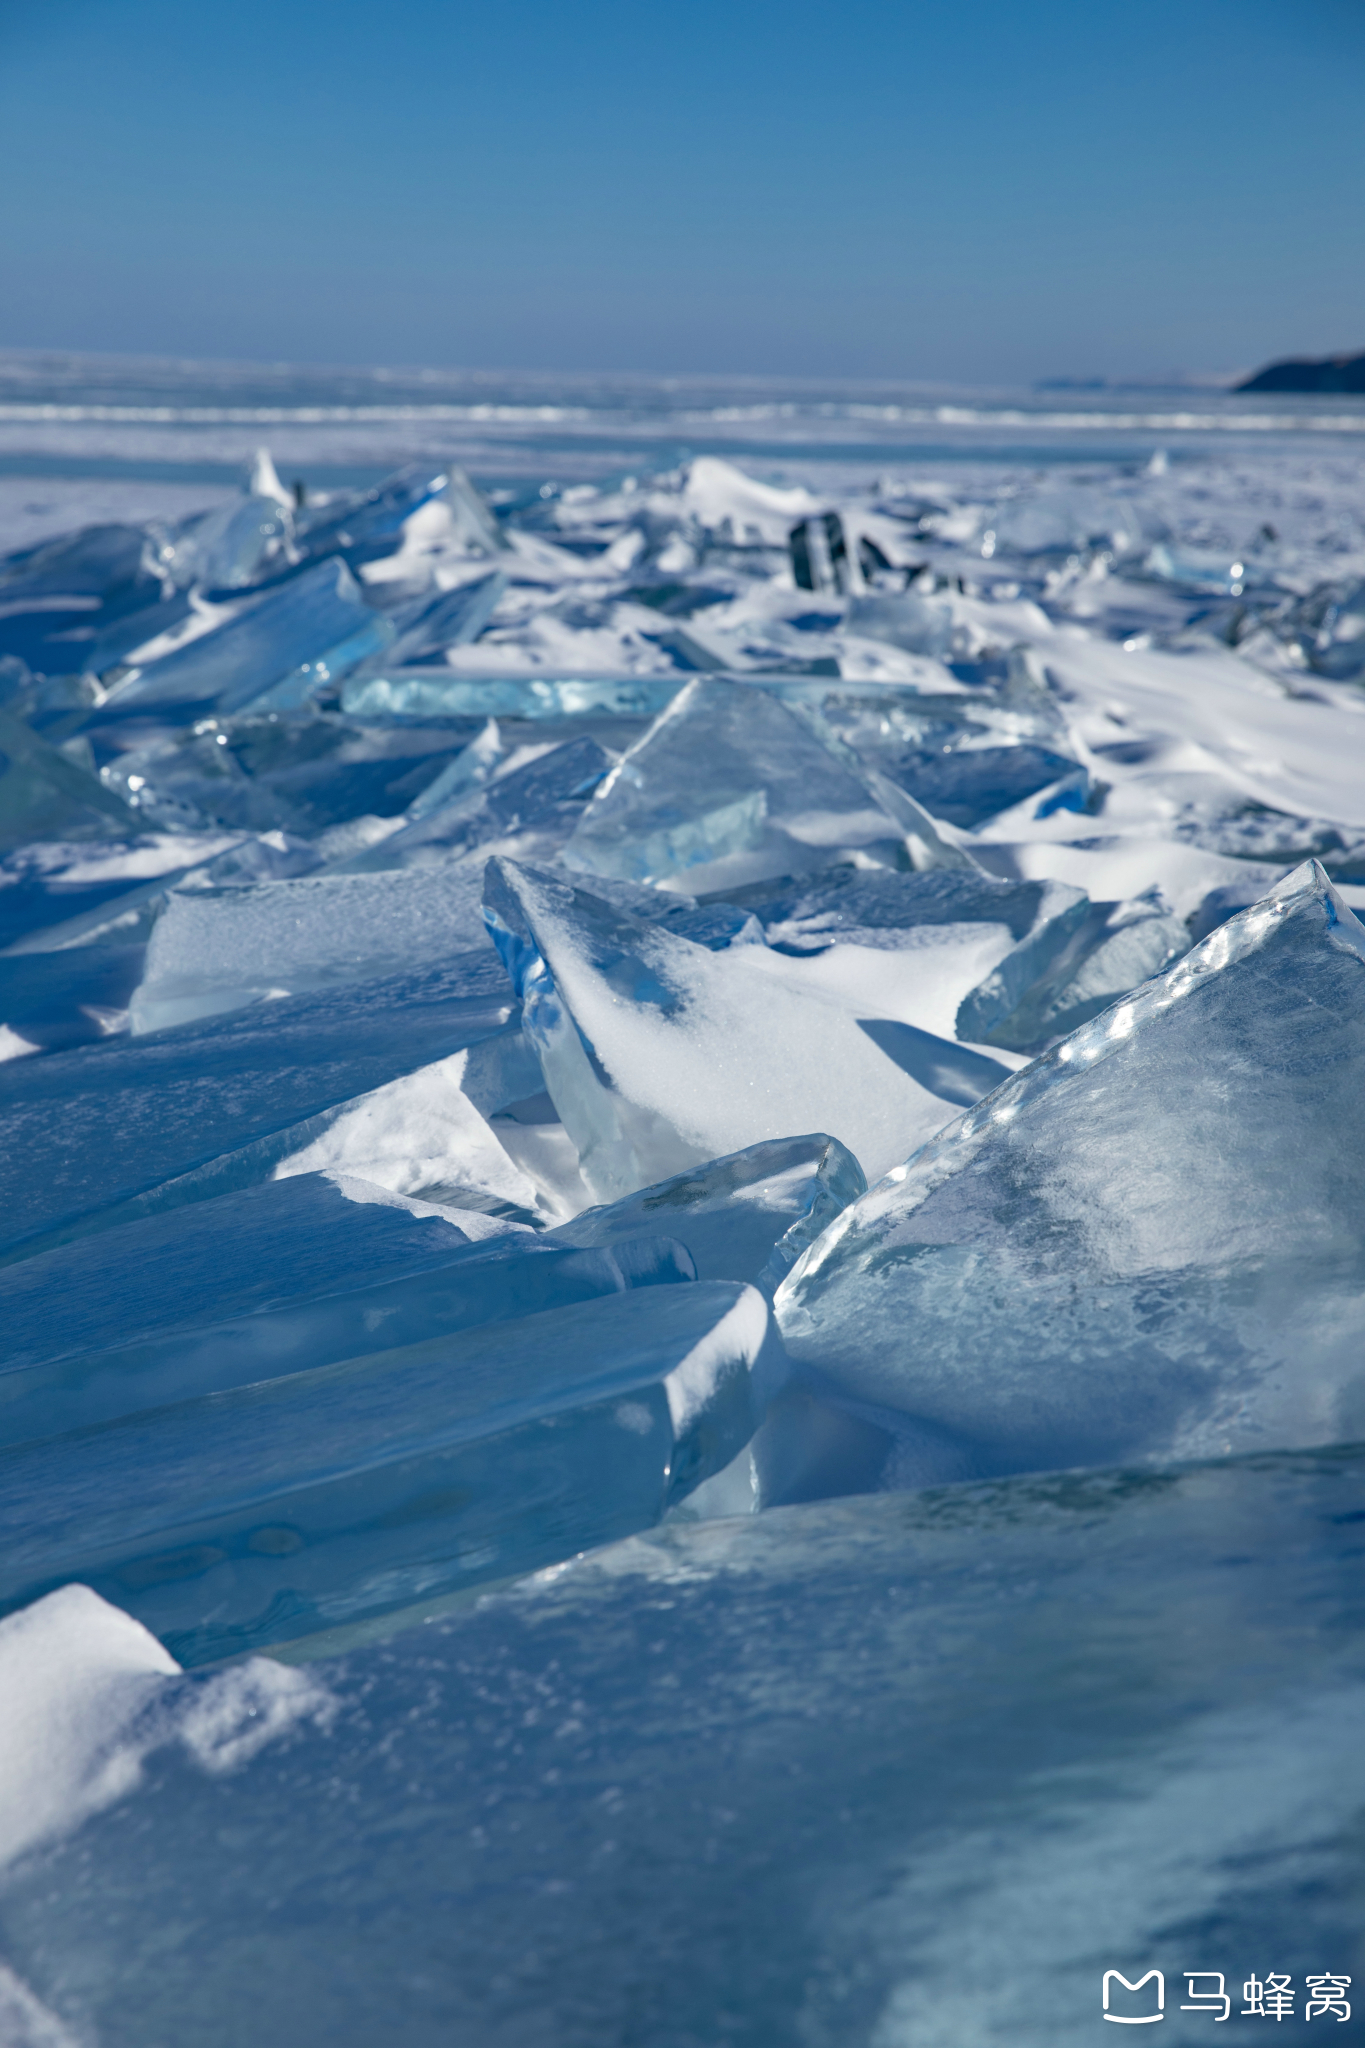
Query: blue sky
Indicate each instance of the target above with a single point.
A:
(983, 192)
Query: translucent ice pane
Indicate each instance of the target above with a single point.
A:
(452, 619)
(304, 624)
(271, 1510)
(727, 786)
(1146, 1245)
(529, 811)
(310, 1234)
(747, 1217)
(511, 1275)
(101, 1127)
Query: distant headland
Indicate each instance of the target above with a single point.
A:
(1329, 373)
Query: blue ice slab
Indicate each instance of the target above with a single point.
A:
(282, 645)
(726, 787)
(230, 1255)
(43, 795)
(96, 1134)
(453, 618)
(1330, 627)
(899, 1770)
(218, 949)
(436, 693)
(364, 525)
(745, 1217)
(966, 786)
(530, 811)
(233, 547)
(511, 1275)
(116, 564)
(244, 1517)
(1149, 1244)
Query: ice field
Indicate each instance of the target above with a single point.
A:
(681, 1256)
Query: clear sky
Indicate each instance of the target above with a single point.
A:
(982, 191)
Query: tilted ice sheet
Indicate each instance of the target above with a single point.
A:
(728, 785)
(227, 1256)
(467, 1286)
(96, 1129)
(229, 1521)
(1147, 1244)
(660, 1054)
(214, 950)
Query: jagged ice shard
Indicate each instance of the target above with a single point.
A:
(274, 1509)
(729, 785)
(1149, 1244)
(659, 1053)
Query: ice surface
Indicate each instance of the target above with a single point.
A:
(660, 1054)
(747, 1217)
(86, 1693)
(892, 1771)
(785, 878)
(728, 786)
(285, 644)
(1143, 1247)
(240, 1518)
(451, 619)
(218, 949)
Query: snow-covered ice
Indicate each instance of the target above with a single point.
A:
(789, 1016)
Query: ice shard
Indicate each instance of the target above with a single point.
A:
(282, 646)
(1111, 949)
(661, 1054)
(729, 786)
(312, 1233)
(232, 548)
(746, 1217)
(1148, 1244)
(427, 627)
(214, 950)
(95, 1129)
(45, 795)
(528, 810)
(511, 1275)
(362, 526)
(271, 1510)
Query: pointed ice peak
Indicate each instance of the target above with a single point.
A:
(264, 481)
(1149, 1243)
(722, 499)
